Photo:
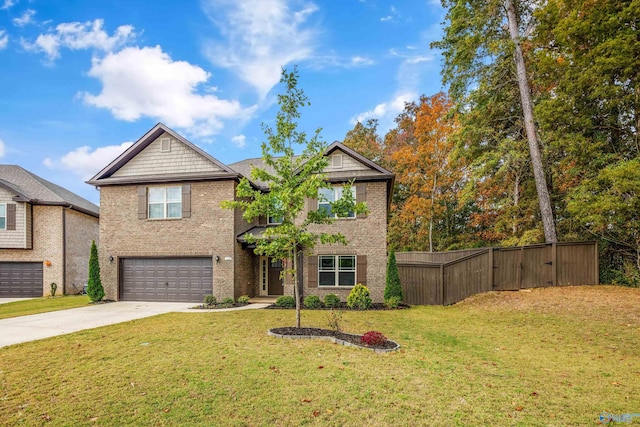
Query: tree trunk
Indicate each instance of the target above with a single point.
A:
(296, 291)
(433, 200)
(544, 200)
(516, 202)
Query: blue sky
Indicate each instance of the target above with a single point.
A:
(80, 80)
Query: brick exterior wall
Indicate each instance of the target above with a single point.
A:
(48, 244)
(210, 231)
(246, 263)
(81, 230)
(365, 236)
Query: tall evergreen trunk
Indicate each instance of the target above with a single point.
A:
(546, 211)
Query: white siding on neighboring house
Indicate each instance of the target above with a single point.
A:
(15, 239)
(180, 159)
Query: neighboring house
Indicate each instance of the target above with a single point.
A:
(45, 235)
(164, 236)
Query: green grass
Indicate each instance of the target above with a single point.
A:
(42, 305)
(546, 357)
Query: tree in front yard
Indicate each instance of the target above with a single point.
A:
(292, 179)
(392, 288)
(94, 287)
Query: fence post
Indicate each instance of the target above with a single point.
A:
(519, 268)
(554, 264)
(490, 273)
(597, 263)
(442, 284)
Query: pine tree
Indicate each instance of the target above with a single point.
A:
(392, 288)
(94, 287)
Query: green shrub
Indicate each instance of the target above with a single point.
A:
(312, 301)
(331, 301)
(210, 300)
(392, 302)
(286, 301)
(94, 285)
(392, 287)
(54, 288)
(244, 299)
(359, 297)
(228, 302)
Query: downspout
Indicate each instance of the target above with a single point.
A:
(64, 249)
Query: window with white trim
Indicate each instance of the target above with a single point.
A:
(326, 196)
(3, 216)
(336, 270)
(165, 202)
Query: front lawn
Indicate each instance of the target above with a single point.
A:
(42, 305)
(558, 356)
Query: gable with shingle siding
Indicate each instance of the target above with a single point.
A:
(15, 238)
(175, 159)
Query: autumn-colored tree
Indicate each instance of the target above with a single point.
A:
(364, 139)
(424, 171)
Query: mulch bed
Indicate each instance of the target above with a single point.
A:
(217, 306)
(343, 306)
(355, 340)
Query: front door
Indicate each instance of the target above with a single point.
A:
(275, 282)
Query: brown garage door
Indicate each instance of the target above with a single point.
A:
(166, 279)
(20, 279)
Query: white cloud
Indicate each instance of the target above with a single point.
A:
(260, 37)
(1, 149)
(80, 35)
(7, 4)
(25, 19)
(4, 39)
(392, 16)
(387, 110)
(86, 163)
(146, 82)
(361, 61)
(239, 141)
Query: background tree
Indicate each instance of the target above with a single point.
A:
(364, 139)
(483, 59)
(425, 172)
(609, 205)
(291, 179)
(94, 286)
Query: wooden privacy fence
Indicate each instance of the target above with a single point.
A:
(443, 278)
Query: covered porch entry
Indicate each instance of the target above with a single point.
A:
(271, 283)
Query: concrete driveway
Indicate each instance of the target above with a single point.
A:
(21, 329)
(8, 300)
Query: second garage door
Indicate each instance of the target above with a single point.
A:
(166, 279)
(20, 279)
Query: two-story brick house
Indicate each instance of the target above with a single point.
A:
(45, 235)
(165, 237)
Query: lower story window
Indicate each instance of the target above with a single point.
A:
(337, 270)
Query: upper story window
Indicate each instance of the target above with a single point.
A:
(3, 216)
(328, 195)
(274, 220)
(165, 202)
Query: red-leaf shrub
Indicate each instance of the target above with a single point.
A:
(373, 338)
